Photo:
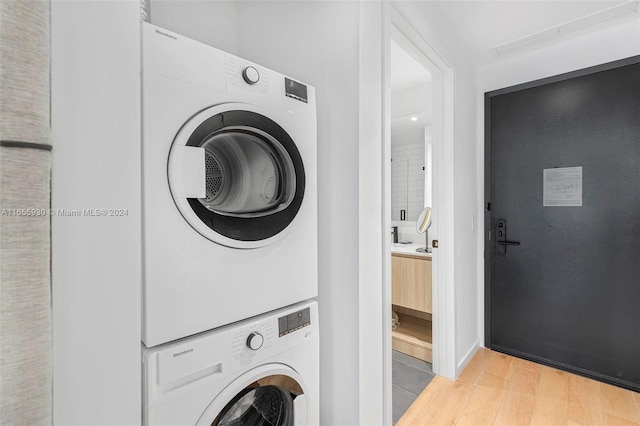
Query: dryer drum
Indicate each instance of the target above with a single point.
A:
(245, 174)
(269, 405)
(214, 175)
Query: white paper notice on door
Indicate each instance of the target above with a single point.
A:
(562, 187)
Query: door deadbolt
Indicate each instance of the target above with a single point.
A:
(501, 235)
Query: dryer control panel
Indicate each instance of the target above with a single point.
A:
(295, 90)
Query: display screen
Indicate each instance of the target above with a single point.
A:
(294, 321)
(295, 90)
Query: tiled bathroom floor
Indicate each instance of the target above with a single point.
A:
(409, 376)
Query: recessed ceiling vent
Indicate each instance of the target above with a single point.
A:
(627, 8)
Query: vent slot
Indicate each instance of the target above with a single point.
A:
(624, 9)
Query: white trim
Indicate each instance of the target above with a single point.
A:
(480, 215)
(444, 362)
(387, 394)
(463, 363)
(373, 378)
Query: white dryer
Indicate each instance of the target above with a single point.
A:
(229, 188)
(262, 371)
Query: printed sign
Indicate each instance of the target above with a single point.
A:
(562, 187)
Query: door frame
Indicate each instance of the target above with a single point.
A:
(488, 257)
(444, 363)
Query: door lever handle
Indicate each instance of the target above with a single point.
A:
(509, 243)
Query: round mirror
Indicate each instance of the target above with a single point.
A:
(424, 220)
(422, 225)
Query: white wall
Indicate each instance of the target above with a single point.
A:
(426, 20)
(317, 43)
(211, 22)
(598, 47)
(407, 135)
(96, 165)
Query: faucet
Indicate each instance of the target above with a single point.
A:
(394, 232)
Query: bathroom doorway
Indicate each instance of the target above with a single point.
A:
(411, 257)
(418, 147)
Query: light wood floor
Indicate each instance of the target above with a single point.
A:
(497, 389)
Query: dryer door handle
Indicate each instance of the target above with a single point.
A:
(187, 171)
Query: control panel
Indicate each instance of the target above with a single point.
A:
(295, 321)
(295, 90)
(228, 349)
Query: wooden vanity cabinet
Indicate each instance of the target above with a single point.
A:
(411, 282)
(411, 299)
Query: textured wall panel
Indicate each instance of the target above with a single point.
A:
(25, 299)
(25, 281)
(24, 70)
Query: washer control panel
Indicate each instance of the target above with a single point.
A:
(293, 322)
(255, 340)
(229, 349)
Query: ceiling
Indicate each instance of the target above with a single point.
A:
(483, 25)
(410, 103)
(406, 72)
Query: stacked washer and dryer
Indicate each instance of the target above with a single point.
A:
(230, 336)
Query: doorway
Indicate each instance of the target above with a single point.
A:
(436, 134)
(411, 257)
(562, 202)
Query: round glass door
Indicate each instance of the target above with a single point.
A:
(269, 401)
(261, 406)
(253, 176)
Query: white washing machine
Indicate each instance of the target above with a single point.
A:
(229, 188)
(262, 371)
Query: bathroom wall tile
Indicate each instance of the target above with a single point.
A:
(407, 181)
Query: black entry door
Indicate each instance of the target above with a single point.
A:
(563, 206)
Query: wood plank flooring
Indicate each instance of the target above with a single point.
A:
(498, 389)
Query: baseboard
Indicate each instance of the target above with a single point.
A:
(470, 353)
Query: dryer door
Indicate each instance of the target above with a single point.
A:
(236, 175)
(263, 397)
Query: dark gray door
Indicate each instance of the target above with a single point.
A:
(568, 294)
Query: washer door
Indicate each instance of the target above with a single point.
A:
(263, 397)
(236, 176)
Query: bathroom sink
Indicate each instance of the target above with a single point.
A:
(408, 249)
